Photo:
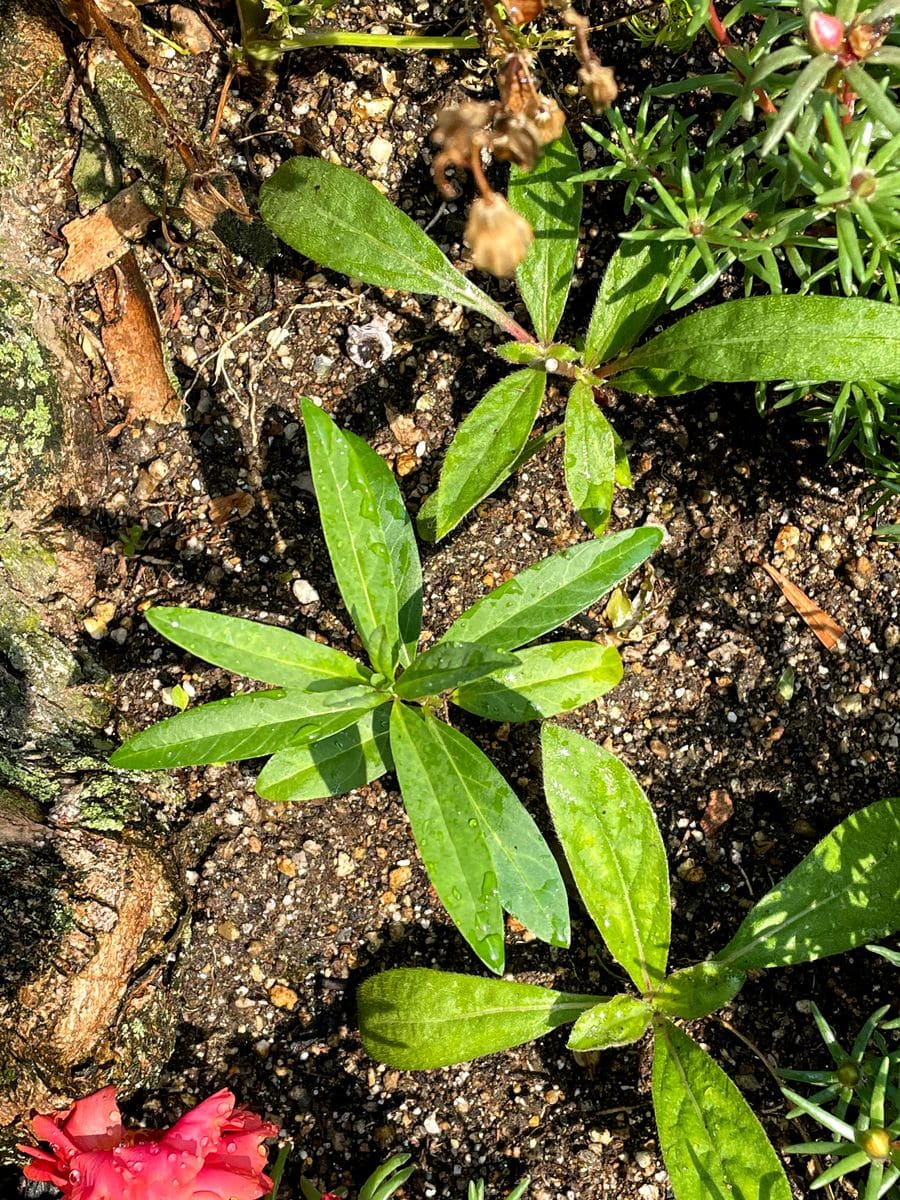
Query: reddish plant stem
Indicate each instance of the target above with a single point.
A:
(722, 36)
(720, 33)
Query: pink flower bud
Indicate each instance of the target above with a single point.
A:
(825, 33)
(213, 1152)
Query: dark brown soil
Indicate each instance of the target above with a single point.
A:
(294, 906)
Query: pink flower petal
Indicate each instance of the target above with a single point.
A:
(44, 1167)
(825, 33)
(95, 1123)
(215, 1184)
(214, 1152)
(198, 1130)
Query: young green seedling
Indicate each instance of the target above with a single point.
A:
(863, 1087)
(338, 218)
(846, 891)
(332, 724)
(388, 1178)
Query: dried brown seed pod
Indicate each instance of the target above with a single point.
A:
(514, 83)
(459, 132)
(548, 120)
(497, 236)
(866, 39)
(598, 84)
(520, 12)
(515, 138)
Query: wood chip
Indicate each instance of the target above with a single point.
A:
(826, 629)
(100, 240)
(131, 341)
(405, 430)
(718, 811)
(223, 509)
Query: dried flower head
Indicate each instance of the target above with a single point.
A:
(865, 39)
(459, 133)
(214, 1152)
(515, 139)
(520, 12)
(497, 236)
(515, 84)
(598, 84)
(547, 119)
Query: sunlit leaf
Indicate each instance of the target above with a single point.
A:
(614, 849)
(416, 1019)
(337, 218)
(712, 1144)
(546, 680)
(331, 764)
(263, 652)
(484, 451)
(370, 540)
(615, 1022)
(550, 201)
(589, 459)
(846, 892)
(243, 726)
(549, 593)
(812, 338)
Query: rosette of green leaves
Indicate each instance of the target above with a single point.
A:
(846, 891)
(331, 723)
(339, 219)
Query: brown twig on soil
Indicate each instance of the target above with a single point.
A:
(186, 151)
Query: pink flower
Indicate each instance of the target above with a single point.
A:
(214, 1152)
(825, 33)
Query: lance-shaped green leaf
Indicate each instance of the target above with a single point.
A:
(337, 218)
(479, 844)
(589, 459)
(243, 726)
(370, 539)
(712, 1144)
(813, 338)
(416, 1019)
(333, 763)
(846, 892)
(484, 451)
(549, 199)
(614, 848)
(549, 593)
(449, 664)
(698, 990)
(654, 381)
(616, 1022)
(262, 652)
(438, 791)
(629, 299)
(546, 680)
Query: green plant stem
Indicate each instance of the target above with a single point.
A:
(375, 41)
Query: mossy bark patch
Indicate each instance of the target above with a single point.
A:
(31, 418)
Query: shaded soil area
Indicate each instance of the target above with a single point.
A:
(294, 906)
